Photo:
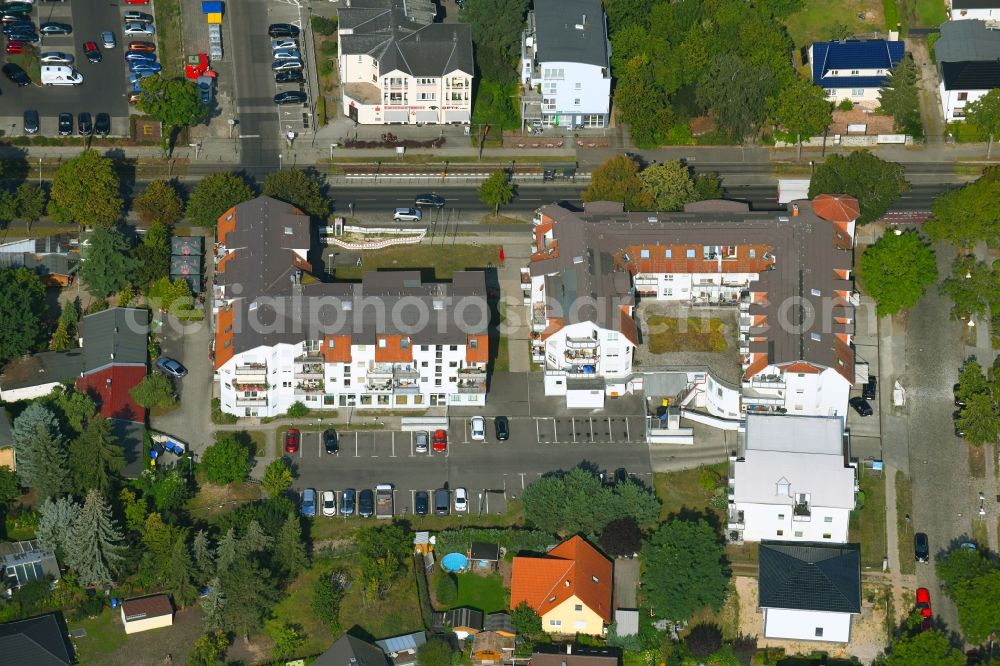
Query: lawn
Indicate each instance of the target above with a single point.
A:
(930, 13)
(980, 533)
(726, 618)
(692, 334)
(501, 361)
(211, 500)
(486, 593)
(867, 525)
(686, 489)
(168, 36)
(817, 21)
(296, 608)
(104, 635)
(107, 643)
(440, 261)
(904, 527)
(977, 461)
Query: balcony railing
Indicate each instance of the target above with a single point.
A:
(308, 370)
(581, 343)
(251, 402)
(580, 359)
(251, 369)
(379, 387)
(767, 383)
(310, 386)
(466, 386)
(380, 370)
(801, 513)
(310, 357)
(472, 373)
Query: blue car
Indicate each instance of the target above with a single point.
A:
(308, 507)
(144, 67)
(139, 56)
(137, 76)
(29, 37)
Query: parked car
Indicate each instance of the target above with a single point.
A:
(132, 15)
(289, 76)
(921, 547)
(330, 442)
(861, 406)
(148, 47)
(139, 56)
(955, 416)
(17, 75)
(54, 28)
(429, 199)
(421, 502)
(502, 426)
(16, 8)
(136, 28)
(308, 506)
(286, 54)
(347, 499)
(92, 53)
(282, 30)
(171, 367)
(440, 440)
(442, 502)
(421, 438)
(16, 47)
(329, 503)
(27, 37)
(366, 503)
(292, 439)
(968, 545)
(477, 428)
(290, 97)
(102, 124)
(18, 25)
(924, 602)
(108, 40)
(869, 390)
(84, 124)
(151, 67)
(284, 43)
(283, 65)
(206, 90)
(30, 121)
(461, 500)
(65, 124)
(959, 402)
(406, 215)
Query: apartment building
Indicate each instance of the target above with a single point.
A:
(968, 60)
(789, 275)
(968, 10)
(399, 67)
(566, 64)
(283, 336)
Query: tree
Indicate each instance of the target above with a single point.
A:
(496, 190)
(967, 215)
(107, 265)
(435, 652)
(214, 195)
(669, 185)
(738, 90)
(618, 180)
(40, 451)
(957, 567)
(526, 621)
(175, 102)
(927, 647)
(327, 595)
(278, 478)
(301, 188)
(984, 113)
(155, 390)
(96, 458)
(875, 183)
(55, 523)
(213, 606)
(496, 27)
(973, 287)
(684, 569)
(227, 551)
(979, 420)
(621, 537)
(703, 640)
(173, 296)
(971, 381)
(978, 603)
(209, 650)
(897, 270)
(254, 539)
(250, 592)
(94, 548)
(641, 102)
(10, 487)
(204, 559)
(383, 552)
(22, 312)
(60, 338)
(159, 203)
(289, 551)
(31, 200)
(226, 461)
(707, 186)
(287, 638)
(8, 207)
(134, 509)
(899, 96)
(85, 190)
(802, 111)
(179, 575)
(152, 255)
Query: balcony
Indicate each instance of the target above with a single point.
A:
(768, 382)
(581, 359)
(471, 386)
(310, 386)
(581, 343)
(406, 387)
(735, 519)
(378, 386)
(309, 371)
(244, 385)
(312, 356)
(405, 372)
(472, 373)
(252, 372)
(380, 371)
(254, 401)
(801, 513)
(746, 322)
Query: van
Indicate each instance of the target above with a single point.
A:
(442, 502)
(60, 75)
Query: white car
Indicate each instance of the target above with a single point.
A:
(284, 43)
(136, 28)
(329, 503)
(478, 429)
(108, 40)
(461, 500)
(55, 58)
(406, 215)
(287, 54)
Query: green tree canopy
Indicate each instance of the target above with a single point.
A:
(973, 287)
(875, 183)
(22, 312)
(301, 188)
(496, 27)
(175, 102)
(526, 621)
(979, 420)
(435, 652)
(85, 190)
(669, 185)
(957, 567)
(155, 390)
(226, 461)
(967, 215)
(95, 546)
(107, 264)
(897, 270)
(978, 603)
(31, 200)
(684, 569)
(899, 97)
(159, 203)
(41, 451)
(640, 102)
(984, 113)
(278, 477)
(618, 180)
(802, 111)
(921, 649)
(383, 552)
(214, 195)
(96, 458)
(249, 593)
(152, 254)
(496, 191)
(739, 91)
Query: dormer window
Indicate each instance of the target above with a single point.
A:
(783, 487)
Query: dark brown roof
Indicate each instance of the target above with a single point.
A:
(146, 607)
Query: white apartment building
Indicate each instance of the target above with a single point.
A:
(566, 64)
(792, 481)
(399, 67)
(968, 58)
(281, 336)
(968, 10)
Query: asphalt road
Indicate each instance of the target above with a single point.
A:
(104, 83)
(251, 50)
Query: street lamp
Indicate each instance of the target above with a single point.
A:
(279, 161)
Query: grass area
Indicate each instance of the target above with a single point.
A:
(169, 40)
(296, 608)
(930, 13)
(501, 219)
(904, 527)
(486, 593)
(977, 461)
(685, 490)
(211, 500)
(818, 21)
(439, 261)
(726, 618)
(694, 334)
(501, 362)
(931, 41)
(965, 132)
(893, 14)
(104, 636)
(980, 533)
(867, 525)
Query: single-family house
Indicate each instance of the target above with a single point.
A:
(792, 481)
(35, 375)
(569, 587)
(566, 64)
(854, 69)
(352, 651)
(574, 655)
(25, 561)
(402, 650)
(483, 555)
(969, 10)
(491, 648)
(809, 591)
(39, 641)
(463, 622)
(145, 613)
(968, 59)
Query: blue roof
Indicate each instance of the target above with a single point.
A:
(854, 54)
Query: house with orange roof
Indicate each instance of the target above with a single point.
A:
(569, 587)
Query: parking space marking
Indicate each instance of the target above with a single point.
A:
(628, 434)
(393, 454)
(555, 431)
(573, 422)
(357, 453)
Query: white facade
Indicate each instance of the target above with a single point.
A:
(966, 13)
(572, 93)
(953, 102)
(806, 625)
(799, 389)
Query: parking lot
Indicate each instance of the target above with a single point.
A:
(292, 117)
(104, 84)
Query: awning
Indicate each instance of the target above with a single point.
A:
(456, 116)
(427, 116)
(395, 116)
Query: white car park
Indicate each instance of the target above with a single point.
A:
(478, 429)
(329, 503)
(55, 58)
(461, 500)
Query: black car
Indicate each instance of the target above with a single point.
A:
(290, 97)
(870, 389)
(502, 426)
(366, 503)
(282, 30)
(28, 37)
(861, 406)
(959, 402)
(955, 416)
(131, 15)
(421, 502)
(330, 441)
(31, 121)
(65, 124)
(18, 25)
(16, 74)
(921, 547)
(289, 76)
(84, 124)
(102, 124)
(429, 199)
(53, 28)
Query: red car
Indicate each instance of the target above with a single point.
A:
(136, 2)
(16, 47)
(92, 52)
(440, 440)
(924, 602)
(145, 47)
(292, 439)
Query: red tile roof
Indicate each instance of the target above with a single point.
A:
(339, 352)
(481, 352)
(628, 326)
(393, 351)
(110, 388)
(573, 568)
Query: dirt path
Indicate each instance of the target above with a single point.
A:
(930, 103)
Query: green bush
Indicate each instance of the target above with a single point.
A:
(297, 410)
(513, 540)
(446, 588)
(326, 68)
(845, 105)
(220, 417)
(324, 26)
(321, 111)
(328, 48)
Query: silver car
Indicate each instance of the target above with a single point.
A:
(287, 54)
(136, 28)
(421, 439)
(284, 43)
(55, 58)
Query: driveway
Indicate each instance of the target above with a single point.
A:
(626, 582)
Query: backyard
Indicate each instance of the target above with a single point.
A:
(485, 593)
(689, 490)
(867, 524)
(819, 21)
(685, 334)
(440, 262)
(107, 643)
